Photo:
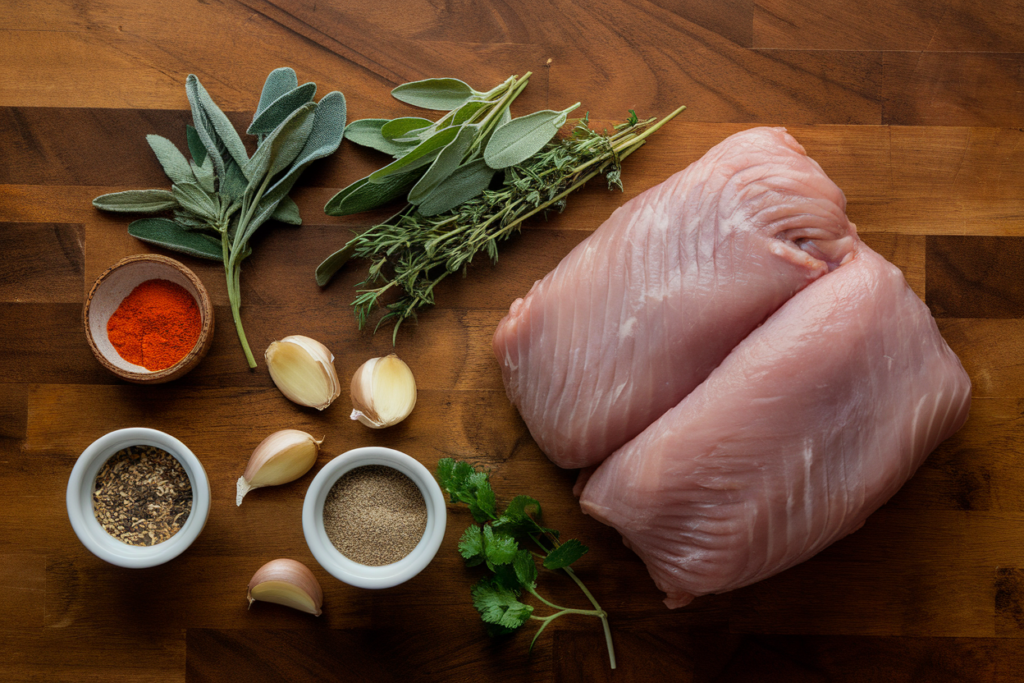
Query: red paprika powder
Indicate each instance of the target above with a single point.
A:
(156, 325)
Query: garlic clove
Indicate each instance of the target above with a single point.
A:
(303, 369)
(289, 583)
(282, 457)
(383, 392)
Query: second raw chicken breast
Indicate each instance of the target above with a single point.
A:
(814, 421)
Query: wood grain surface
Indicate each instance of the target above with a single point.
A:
(914, 107)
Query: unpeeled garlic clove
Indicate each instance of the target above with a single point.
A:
(289, 583)
(282, 457)
(303, 369)
(383, 392)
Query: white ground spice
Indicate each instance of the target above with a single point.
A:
(142, 495)
(375, 515)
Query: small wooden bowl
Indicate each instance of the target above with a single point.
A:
(118, 282)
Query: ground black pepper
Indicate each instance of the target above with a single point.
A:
(375, 515)
(142, 495)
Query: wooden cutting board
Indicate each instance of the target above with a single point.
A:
(916, 109)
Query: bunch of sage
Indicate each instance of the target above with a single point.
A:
(440, 164)
(471, 178)
(222, 196)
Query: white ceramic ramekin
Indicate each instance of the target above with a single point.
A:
(83, 519)
(354, 573)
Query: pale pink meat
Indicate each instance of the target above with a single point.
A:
(640, 312)
(814, 421)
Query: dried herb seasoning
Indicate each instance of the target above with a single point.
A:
(375, 515)
(142, 495)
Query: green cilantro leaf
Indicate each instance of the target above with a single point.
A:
(520, 518)
(471, 546)
(506, 576)
(482, 502)
(499, 605)
(446, 473)
(526, 569)
(565, 554)
(498, 548)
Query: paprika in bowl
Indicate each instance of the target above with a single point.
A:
(148, 319)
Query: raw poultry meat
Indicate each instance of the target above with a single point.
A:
(642, 311)
(811, 423)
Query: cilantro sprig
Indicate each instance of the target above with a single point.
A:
(509, 545)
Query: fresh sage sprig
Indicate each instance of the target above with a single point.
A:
(457, 214)
(502, 543)
(221, 197)
(433, 163)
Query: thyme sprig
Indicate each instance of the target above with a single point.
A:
(412, 253)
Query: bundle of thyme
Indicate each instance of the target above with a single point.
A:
(414, 250)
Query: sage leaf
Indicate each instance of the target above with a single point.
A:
(233, 183)
(190, 221)
(204, 174)
(279, 82)
(519, 139)
(323, 139)
(195, 145)
(333, 263)
(164, 232)
(465, 183)
(281, 147)
(192, 198)
(366, 133)
(422, 155)
(173, 161)
(214, 128)
(281, 109)
(362, 195)
(287, 211)
(137, 201)
(445, 164)
(400, 128)
(439, 94)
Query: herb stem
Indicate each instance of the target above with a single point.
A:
(534, 593)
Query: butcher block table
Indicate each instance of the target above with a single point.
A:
(915, 108)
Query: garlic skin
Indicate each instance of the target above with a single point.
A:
(282, 457)
(383, 392)
(289, 583)
(303, 369)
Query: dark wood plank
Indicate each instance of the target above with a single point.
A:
(92, 655)
(975, 277)
(990, 352)
(861, 659)
(732, 19)
(22, 590)
(41, 262)
(13, 412)
(1009, 602)
(914, 25)
(46, 343)
(331, 655)
(952, 89)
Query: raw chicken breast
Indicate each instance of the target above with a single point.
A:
(641, 311)
(814, 421)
